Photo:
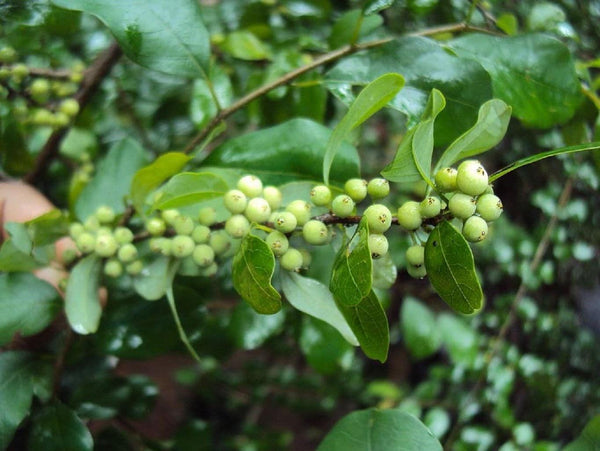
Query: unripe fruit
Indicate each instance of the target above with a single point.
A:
(250, 185)
(76, 229)
(462, 205)
(220, 242)
(315, 232)
(91, 224)
(156, 226)
(183, 225)
(105, 214)
(210, 270)
(417, 272)
(7, 55)
(489, 207)
(306, 258)
(320, 195)
(19, 72)
(235, 201)
(134, 268)
(123, 235)
(170, 216)
(356, 189)
(182, 246)
(237, 226)
(207, 216)
(301, 210)
(113, 268)
(430, 207)
(200, 234)
(273, 196)
(70, 107)
(445, 179)
(68, 256)
(409, 215)
(378, 188)
(285, 222)
(471, 178)
(378, 245)
(127, 253)
(278, 243)
(475, 229)
(379, 218)
(342, 206)
(415, 255)
(40, 90)
(203, 255)
(104, 230)
(258, 210)
(86, 242)
(60, 119)
(292, 260)
(106, 245)
(161, 245)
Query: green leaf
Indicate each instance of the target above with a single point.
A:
(403, 169)
(379, 430)
(245, 45)
(82, 303)
(19, 236)
(352, 274)
(351, 26)
(490, 128)
(589, 438)
(425, 65)
(374, 6)
(150, 177)
(313, 298)
(451, 269)
(190, 188)
(287, 152)
(384, 272)
(249, 330)
(371, 99)
(112, 180)
(533, 73)
(156, 278)
(419, 328)
(459, 339)
(14, 156)
(253, 267)
(370, 326)
(57, 428)
(27, 305)
(48, 228)
(165, 35)
(16, 390)
(323, 347)
(202, 105)
(12, 259)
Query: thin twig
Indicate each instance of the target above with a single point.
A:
(91, 81)
(61, 74)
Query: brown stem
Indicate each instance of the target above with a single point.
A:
(91, 81)
(61, 74)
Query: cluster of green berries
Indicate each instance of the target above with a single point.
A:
(99, 235)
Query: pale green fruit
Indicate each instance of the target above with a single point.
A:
(471, 178)
(273, 196)
(113, 268)
(430, 207)
(91, 224)
(409, 215)
(123, 235)
(200, 234)
(379, 218)
(183, 225)
(342, 206)
(258, 210)
(219, 241)
(237, 226)
(106, 245)
(445, 179)
(285, 222)
(235, 201)
(76, 229)
(170, 216)
(320, 195)
(207, 216)
(156, 226)
(415, 255)
(475, 229)
(301, 210)
(127, 253)
(489, 207)
(182, 246)
(86, 242)
(356, 189)
(105, 214)
(134, 268)
(161, 245)
(378, 188)
(210, 270)
(306, 258)
(203, 255)
(378, 245)
(292, 260)
(70, 107)
(250, 185)
(462, 205)
(315, 232)
(278, 243)
(40, 90)
(417, 272)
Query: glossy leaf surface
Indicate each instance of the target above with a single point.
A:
(56, 428)
(82, 301)
(419, 328)
(189, 188)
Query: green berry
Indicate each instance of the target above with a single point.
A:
(123, 235)
(315, 232)
(203, 255)
(306, 258)
(127, 253)
(273, 196)
(489, 207)
(182, 246)
(220, 242)
(113, 268)
(200, 234)
(183, 225)
(417, 272)
(7, 55)
(156, 226)
(161, 245)
(170, 216)
(40, 90)
(445, 179)
(320, 195)
(409, 215)
(105, 214)
(356, 189)
(76, 229)
(342, 206)
(415, 255)
(475, 229)
(134, 268)
(285, 222)
(378, 188)
(430, 207)
(462, 205)
(207, 216)
(292, 260)
(379, 218)
(106, 245)
(210, 270)
(19, 72)
(91, 224)
(60, 120)
(471, 178)
(237, 226)
(235, 201)
(301, 210)
(86, 242)
(378, 245)
(70, 107)
(258, 210)
(278, 243)
(250, 185)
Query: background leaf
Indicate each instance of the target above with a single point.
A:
(249, 330)
(419, 328)
(63, 426)
(165, 35)
(589, 438)
(202, 106)
(190, 188)
(323, 347)
(157, 276)
(82, 304)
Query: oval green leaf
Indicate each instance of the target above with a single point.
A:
(156, 278)
(189, 188)
(82, 304)
(249, 330)
(451, 269)
(63, 426)
(419, 328)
